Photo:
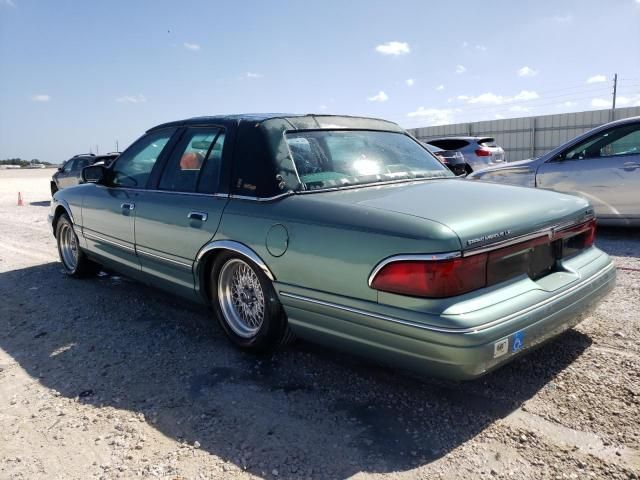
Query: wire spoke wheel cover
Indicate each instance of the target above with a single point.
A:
(241, 298)
(68, 246)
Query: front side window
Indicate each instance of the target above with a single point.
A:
(68, 166)
(195, 164)
(623, 140)
(133, 167)
(339, 158)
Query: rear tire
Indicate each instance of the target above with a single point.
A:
(246, 305)
(74, 261)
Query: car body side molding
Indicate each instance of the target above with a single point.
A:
(233, 246)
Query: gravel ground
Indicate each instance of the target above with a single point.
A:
(106, 378)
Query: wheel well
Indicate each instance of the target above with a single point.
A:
(203, 265)
(58, 213)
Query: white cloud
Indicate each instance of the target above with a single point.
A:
(410, 82)
(254, 75)
(194, 47)
(393, 48)
(569, 103)
(379, 97)
(632, 101)
(132, 99)
(460, 69)
(41, 97)
(600, 103)
(482, 48)
(433, 116)
(568, 18)
(440, 87)
(525, 95)
(527, 72)
(493, 99)
(597, 79)
(519, 109)
(465, 44)
(8, 3)
(322, 108)
(498, 116)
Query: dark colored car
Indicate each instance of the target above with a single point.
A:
(478, 152)
(452, 159)
(69, 173)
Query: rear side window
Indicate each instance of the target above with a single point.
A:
(82, 162)
(195, 163)
(449, 144)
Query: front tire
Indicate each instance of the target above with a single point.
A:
(246, 305)
(75, 262)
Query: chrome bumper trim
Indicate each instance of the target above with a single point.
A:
(99, 238)
(186, 266)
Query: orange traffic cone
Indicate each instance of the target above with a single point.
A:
(20, 204)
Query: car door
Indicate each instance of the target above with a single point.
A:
(109, 208)
(182, 213)
(604, 168)
(63, 175)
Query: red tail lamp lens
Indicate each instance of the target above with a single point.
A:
(433, 279)
(483, 152)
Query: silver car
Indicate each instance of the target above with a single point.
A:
(478, 152)
(602, 165)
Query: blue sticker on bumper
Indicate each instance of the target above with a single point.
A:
(518, 341)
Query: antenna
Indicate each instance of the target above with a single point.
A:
(615, 87)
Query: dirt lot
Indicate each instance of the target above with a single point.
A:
(105, 378)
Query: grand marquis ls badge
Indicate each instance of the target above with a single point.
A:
(492, 236)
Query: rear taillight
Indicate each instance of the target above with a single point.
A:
(432, 278)
(483, 152)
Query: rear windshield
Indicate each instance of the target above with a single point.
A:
(341, 158)
(453, 144)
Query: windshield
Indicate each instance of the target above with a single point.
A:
(341, 158)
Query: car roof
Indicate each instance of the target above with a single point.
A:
(322, 120)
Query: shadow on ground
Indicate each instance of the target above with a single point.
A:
(44, 203)
(305, 410)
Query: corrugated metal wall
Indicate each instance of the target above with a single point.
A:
(529, 137)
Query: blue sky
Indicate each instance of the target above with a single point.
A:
(76, 74)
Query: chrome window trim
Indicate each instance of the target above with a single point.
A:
(171, 192)
(99, 238)
(145, 253)
(262, 199)
(433, 328)
(411, 258)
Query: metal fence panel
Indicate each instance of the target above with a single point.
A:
(527, 137)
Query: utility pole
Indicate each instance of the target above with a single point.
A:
(615, 87)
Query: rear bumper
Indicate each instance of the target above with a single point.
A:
(509, 328)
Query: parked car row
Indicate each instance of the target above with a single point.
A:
(341, 230)
(602, 166)
(69, 173)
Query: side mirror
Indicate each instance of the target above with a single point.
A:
(60, 169)
(93, 174)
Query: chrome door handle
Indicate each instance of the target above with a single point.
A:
(128, 206)
(202, 216)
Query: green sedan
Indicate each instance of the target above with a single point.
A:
(340, 230)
